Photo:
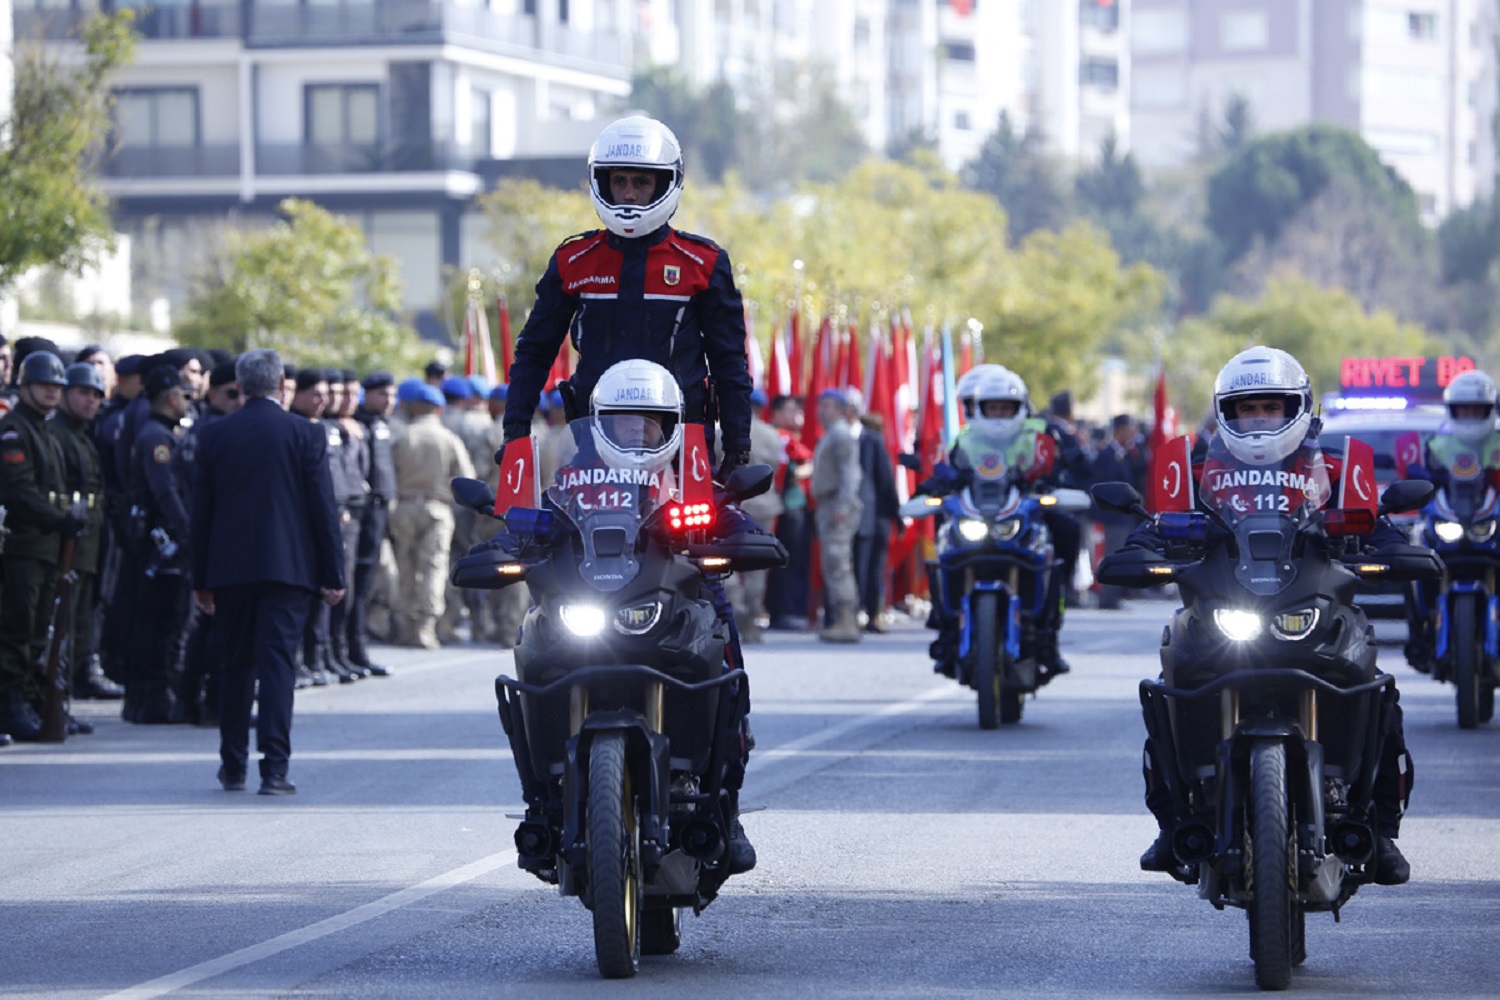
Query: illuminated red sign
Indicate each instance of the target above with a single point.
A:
(1401, 375)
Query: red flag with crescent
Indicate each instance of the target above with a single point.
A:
(1408, 452)
(697, 470)
(519, 485)
(1170, 489)
(1357, 489)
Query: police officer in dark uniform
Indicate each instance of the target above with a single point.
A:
(310, 401)
(159, 509)
(380, 480)
(347, 459)
(117, 597)
(38, 517)
(84, 477)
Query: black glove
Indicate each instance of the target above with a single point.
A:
(732, 460)
(72, 525)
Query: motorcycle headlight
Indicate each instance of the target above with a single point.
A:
(1240, 626)
(1295, 624)
(1481, 532)
(972, 529)
(1448, 531)
(1004, 531)
(638, 620)
(583, 620)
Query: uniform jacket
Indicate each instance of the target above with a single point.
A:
(382, 470)
(153, 483)
(1448, 459)
(877, 487)
(263, 509)
(83, 474)
(667, 297)
(428, 458)
(31, 480)
(836, 472)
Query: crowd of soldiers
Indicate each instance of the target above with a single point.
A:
(96, 479)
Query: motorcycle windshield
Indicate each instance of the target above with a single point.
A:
(1265, 507)
(613, 472)
(1470, 500)
(988, 456)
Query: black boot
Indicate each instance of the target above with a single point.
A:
(1049, 661)
(1391, 867)
(1159, 857)
(344, 664)
(1420, 653)
(739, 853)
(18, 719)
(93, 684)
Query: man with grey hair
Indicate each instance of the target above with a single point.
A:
(265, 538)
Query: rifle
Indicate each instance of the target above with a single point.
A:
(54, 685)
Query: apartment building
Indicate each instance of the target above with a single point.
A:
(1416, 78)
(393, 112)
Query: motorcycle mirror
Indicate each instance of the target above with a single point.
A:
(474, 493)
(909, 461)
(748, 481)
(1406, 495)
(1118, 496)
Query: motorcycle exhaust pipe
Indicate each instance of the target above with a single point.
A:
(1353, 841)
(1193, 843)
(702, 840)
(534, 841)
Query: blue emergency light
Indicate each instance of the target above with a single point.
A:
(529, 521)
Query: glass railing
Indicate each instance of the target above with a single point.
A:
(162, 22)
(281, 159)
(173, 161)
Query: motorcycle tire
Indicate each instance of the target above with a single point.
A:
(988, 655)
(614, 859)
(661, 931)
(1468, 643)
(1486, 703)
(1273, 909)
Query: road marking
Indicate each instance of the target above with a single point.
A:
(172, 982)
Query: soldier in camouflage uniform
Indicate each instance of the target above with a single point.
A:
(835, 490)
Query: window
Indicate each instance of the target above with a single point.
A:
(158, 118)
(1422, 26)
(1244, 31)
(1101, 73)
(961, 121)
(1101, 15)
(342, 114)
(959, 51)
(1159, 32)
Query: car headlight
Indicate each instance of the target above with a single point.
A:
(1004, 531)
(1481, 532)
(1448, 531)
(972, 529)
(583, 619)
(638, 619)
(1241, 626)
(1295, 624)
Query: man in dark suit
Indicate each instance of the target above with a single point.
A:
(265, 537)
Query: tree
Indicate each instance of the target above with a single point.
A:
(1267, 183)
(308, 287)
(50, 149)
(526, 222)
(708, 123)
(1015, 169)
(810, 134)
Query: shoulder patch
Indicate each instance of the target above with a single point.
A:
(697, 239)
(161, 454)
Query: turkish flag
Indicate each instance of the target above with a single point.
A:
(506, 357)
(820, 379)
(519, 486)
(1357, 488)
(697, 469)
(1171, 486)
(1165, 426)
(853, 370)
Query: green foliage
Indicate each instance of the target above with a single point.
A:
(309, 288)
(526, 222)
(1269, 181)
(706, 122)
(1318, 326)
(50, 148)
(1015, 169)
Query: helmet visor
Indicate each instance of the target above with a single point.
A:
(639, 432)
(1242, 415)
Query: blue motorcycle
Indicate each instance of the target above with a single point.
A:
(1460, 525)
(989, 576)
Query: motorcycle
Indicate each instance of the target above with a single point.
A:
(1268, 720)
(990, 574)
(626, 705)
(1459, 524)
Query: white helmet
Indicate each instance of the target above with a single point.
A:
(988, 383)
(1472, 388)
(1259, 373)
(637, 407)
(637, 143)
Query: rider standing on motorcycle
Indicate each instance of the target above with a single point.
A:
(1467, 447)
(1263, 400)
(996, 404)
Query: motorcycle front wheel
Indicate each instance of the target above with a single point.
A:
(614, 859)
(1467, 642)
(1275, 917)
(997, 703)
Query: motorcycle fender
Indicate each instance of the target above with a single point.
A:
(656, 783)
(964, 637)
(1444, 619)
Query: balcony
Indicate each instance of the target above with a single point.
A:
(164, 22)
(173, 161)
(292, 159)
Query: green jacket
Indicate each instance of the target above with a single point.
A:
(83, 474)
(31, 485)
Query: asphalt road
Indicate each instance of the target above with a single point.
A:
(903, 852)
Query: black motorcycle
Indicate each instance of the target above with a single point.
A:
(626, 707)
(1268, 720)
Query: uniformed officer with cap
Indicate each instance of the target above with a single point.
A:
(119, 599)
(159, 516)
(38, 517)
(84, 477)
(373, 415)
(348, 461)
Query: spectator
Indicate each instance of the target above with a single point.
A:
(835, 489)
(1124, 459)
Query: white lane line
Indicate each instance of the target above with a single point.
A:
(172, 982)
(360, 914)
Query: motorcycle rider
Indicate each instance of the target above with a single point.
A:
(1263, 400)
(1467, 447)
(997, 406)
